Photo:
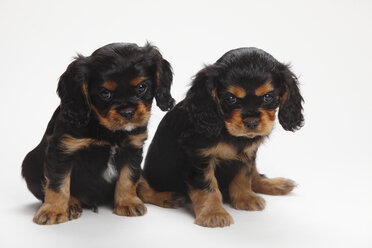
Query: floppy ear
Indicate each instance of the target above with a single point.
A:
(290, 109)
(73, 91)
(164, 77)
(202, 103)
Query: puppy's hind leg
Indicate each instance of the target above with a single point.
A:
(161, 199)
(271, 186)
(74, 208)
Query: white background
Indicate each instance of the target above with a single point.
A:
(329, 46)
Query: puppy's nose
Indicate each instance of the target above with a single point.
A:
(128, 114)
(251, 124)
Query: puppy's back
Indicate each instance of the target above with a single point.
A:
(165, 161)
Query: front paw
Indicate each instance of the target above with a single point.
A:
(215, 219)
(49, 214)
(130, 208)
(250, 202)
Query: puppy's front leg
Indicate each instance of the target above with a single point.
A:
(241, 194)
(54, 209)
(127, 203)
(207, 199)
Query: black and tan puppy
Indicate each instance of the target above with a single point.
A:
(92, 149)
(205, 148)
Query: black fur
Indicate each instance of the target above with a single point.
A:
(78, 116)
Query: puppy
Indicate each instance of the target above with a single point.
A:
(205, 148)
(92, 149)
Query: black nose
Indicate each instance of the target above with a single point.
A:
(251, 124)
(128, 114)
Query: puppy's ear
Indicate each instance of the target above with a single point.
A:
(203, 104)
(73, 91)
(164, 77)
(290, 110)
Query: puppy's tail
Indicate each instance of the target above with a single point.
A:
(162, 199)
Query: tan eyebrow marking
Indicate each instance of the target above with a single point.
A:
(136, 81)
(110, 85)
(237, 91)
(264, 89)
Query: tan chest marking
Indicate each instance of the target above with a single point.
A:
(228, 152)
(70, 144)
(138, 140)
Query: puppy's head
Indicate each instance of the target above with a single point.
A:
(242, 92)
(117, 83)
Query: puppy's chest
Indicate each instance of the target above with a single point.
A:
(111, 174)
(225, 151)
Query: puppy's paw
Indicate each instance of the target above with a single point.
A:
(274, 186)
(250, 202)
(134, 207)
(175, 201)
(74, 209)
(49, 214)
(215, 219)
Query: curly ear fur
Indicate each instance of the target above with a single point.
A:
(164, 78)
(290, 110)
(72, 89)
(203, 105)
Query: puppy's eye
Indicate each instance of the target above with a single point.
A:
(105, 94)
(141, 88)
(231, 100)
(268, 98)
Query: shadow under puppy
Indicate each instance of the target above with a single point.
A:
(205, 148)
(92, 149)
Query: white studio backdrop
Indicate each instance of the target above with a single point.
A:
(328, 44)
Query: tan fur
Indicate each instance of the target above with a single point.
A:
(235, 126)
(237, 91)
(234, 123)
(162, 199)
(55, 206)
(110, 85)
(142, 114)
(157, 75)
(127, 202)
(271, 186)
(74, 208)
(284, 97)
(136, 81)
(221, 150)
(114, 121)
(85, 88)
(208, 207)
(137, 140)
(266, 122)
(69, 144)
(214, 93)
(241, 194)
(264, 89)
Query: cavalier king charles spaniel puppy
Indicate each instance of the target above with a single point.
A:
(205, 148)
(92, 148)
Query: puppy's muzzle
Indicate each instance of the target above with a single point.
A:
(128, 115)
(251, 124)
